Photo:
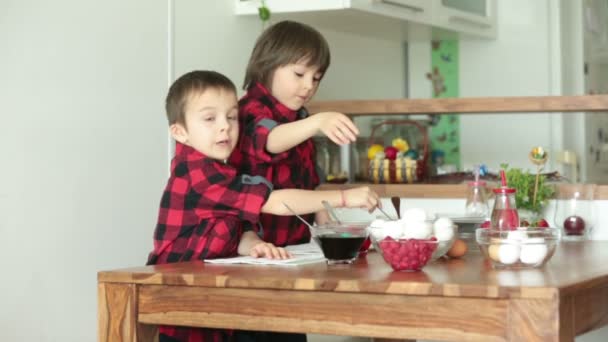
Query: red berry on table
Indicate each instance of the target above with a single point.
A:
(524, 223)
(390, 152)
(542, 223)
(486, 224)
(574, 225)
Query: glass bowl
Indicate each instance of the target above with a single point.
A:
(443, 246)
(340, 242)
(574, 212)
(406, 254)
(520, 248)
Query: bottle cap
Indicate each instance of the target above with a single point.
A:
(504, 190)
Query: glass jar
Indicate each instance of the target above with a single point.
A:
(504, 213)
(477, 203)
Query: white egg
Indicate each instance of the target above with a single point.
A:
(378, 233)
(377, 223)
(444, 233)
(533, 251)
(508, 253)
(443, 229)
(418, 230)
(393, 229)
(414, 214)
(517, 235)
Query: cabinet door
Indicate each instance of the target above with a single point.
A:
(476, 17)
(244, 7)
(596, 30)
(418, 11)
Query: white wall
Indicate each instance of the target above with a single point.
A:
(514, 64)
(367, 54)
(83, 155)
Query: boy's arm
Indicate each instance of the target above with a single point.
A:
(250, 244)
(309, 201)
(336, 126)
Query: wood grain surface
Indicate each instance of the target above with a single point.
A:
(484, 105)
(458, 299)
(574, 265)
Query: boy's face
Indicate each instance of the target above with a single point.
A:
(295, 84)
(212, 126)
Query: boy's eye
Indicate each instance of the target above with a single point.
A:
(232, 117)
(209, 118)
(299, 74)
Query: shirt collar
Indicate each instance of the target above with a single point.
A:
(257, 90)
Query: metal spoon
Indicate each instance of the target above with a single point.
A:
(331, 211)
(298, 216)
(385, 214)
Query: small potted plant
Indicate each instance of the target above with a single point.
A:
(533, 190)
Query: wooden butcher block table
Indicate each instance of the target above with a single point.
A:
(454, 300)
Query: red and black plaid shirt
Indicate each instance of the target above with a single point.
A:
(204, 209)
(259, 112)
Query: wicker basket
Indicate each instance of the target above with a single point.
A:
(400, 170)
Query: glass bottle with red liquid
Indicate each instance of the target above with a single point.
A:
(504, 215)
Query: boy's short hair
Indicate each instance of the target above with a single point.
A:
(194, 82)
(284, 43)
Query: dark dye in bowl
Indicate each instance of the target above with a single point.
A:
(340, 248)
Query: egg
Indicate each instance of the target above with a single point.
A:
(377, 223)
(417, 230)
(414, 214)
(533, 251)
(493, 252)
(459, 248)
(393, 229)
(443, 229)
(508, 253)
(517, 235)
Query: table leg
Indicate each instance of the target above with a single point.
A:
(117, 315)
(538, 320)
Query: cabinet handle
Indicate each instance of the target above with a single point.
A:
(400, 5)
(468, 21)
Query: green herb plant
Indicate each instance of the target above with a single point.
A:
(523, 182)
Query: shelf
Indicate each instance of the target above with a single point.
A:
(485, 105)
(444, 191)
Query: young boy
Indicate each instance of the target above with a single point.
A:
(208, 210)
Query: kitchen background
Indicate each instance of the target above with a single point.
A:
(85, 146)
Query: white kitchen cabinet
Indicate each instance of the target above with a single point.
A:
(476, 17)
(596, 30)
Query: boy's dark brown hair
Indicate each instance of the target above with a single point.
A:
(284, 43)
(194, 82)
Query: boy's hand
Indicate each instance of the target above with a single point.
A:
(362, 197)
(338, 127)
(268, 250)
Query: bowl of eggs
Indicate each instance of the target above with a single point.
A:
(520, 248)
(415, 225)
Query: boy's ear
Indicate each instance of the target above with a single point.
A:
(179, 133)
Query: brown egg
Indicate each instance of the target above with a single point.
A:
(459, 248)
(493, 252)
